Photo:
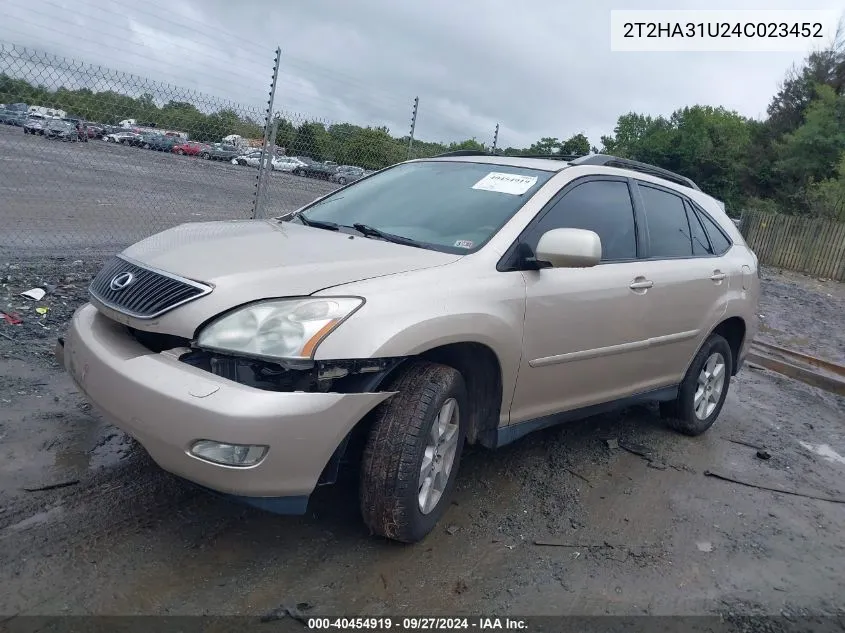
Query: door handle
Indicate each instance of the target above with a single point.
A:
(641, 284)
(718, 275)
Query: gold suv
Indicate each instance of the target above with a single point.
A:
(466, 298)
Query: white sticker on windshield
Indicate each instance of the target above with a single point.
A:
(463, 244)
(513, 184)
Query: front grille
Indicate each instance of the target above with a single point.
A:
(148, 294)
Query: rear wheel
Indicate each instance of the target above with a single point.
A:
(180, 152)
(413, 452)
(205, 155)
(703, 390)
(341, 181)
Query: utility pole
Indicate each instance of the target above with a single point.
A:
(495, 138)
(413, 125)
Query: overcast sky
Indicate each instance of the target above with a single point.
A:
(538, 68)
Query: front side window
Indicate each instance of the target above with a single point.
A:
(449, 206)
(668, 228)
(602, 206)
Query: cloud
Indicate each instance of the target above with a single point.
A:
(539, 69)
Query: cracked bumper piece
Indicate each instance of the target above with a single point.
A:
(168, 405)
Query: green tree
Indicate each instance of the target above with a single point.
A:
(577, 145)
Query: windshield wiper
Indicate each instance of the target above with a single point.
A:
(317, 224)
(370, 231)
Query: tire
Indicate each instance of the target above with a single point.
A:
(205, 155)
(341, 181)
(390, 489)
(299, 172)
(687, 415)
(146, 146)
(180, 152)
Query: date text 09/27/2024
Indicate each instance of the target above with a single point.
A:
(417, 624)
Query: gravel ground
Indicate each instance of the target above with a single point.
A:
(126, 538)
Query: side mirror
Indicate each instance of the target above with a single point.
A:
(569, 248)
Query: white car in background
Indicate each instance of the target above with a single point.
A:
(286, 163)
(120, 137)
(279, 163)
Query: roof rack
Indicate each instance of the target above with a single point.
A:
(464, 152)
(476, 152)
(635, 165)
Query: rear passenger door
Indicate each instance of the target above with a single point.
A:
(689, 292)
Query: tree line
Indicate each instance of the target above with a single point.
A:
(791, 162)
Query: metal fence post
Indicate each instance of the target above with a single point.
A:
(264, 165)
(413, 125)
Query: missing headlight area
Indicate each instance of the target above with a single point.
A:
(338, 376)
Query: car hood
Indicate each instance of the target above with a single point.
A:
(247, 260)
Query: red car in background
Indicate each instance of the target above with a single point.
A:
(189, 148)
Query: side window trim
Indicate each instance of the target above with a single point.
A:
(700, 211)
(507, 262)
(692, 215)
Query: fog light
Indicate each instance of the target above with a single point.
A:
(229, 454)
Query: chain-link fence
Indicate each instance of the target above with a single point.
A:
(93, 159)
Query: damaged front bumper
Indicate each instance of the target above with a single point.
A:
(168, 405)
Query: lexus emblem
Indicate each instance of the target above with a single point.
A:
(121, 281)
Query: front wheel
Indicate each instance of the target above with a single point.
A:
(413, 452)
(341, 181)
(205, 155)
(703, 390)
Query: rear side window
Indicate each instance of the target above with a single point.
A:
(603, 206)
(718, 239)
(668, 228)
(700, 243)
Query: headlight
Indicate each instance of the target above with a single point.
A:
(279, 328)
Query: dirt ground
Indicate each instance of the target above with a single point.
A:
(624, 533)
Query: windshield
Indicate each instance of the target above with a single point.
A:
(453, 207)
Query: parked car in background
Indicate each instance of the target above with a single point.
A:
(16, 118)
(346, 174)
(189, 148)
(322, 171)
(63, 131)
(250, 157)
(160, 142)
(126, 138)
(96, 130)
(220, 151)
(12, 112)
(286, 163)
(35, 124)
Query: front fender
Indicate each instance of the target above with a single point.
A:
(411, 313)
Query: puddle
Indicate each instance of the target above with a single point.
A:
(825, 452)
